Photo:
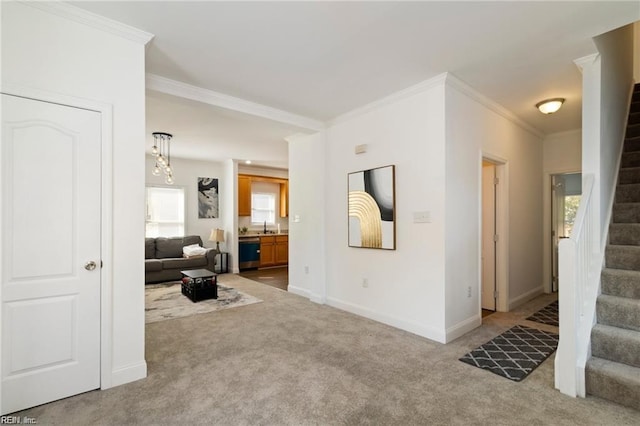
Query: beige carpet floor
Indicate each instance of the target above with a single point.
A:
(288, 361)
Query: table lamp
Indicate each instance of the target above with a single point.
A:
(217, 235)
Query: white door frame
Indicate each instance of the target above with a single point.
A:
(106, 232)
(502, 230)
(546, 224)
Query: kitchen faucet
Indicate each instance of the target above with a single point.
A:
(265, 226)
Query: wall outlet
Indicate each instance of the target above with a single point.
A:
(365, 283)
(306, 269)
(469, 291)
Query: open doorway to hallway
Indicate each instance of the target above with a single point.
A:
(566, 191)
(494, 238)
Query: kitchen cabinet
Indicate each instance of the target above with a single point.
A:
(274, 250)
(244, 195)
(284, 199)
(282, 250)
(267, 251)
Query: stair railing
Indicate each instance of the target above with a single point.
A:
(579, 267)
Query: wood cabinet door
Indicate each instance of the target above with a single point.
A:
(282, 253)
(267, 254)
(244, 196)
(284, 199)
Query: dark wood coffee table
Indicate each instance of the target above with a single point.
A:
(199, 284)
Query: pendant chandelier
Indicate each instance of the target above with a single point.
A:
(161, 150)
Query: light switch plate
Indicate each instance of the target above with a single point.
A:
(422, 217)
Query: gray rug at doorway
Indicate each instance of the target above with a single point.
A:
(547, 315)
(515, 353)
(165, 301)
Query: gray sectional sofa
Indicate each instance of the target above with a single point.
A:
(164, 259)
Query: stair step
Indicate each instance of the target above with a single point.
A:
(616, 344)
(629, 193)
(621, 283)
(631, 144)
(635, 107)
(623, 257)
(630, 159)
(624, 234)
(629, 175)
(619, 312)
(613, 381)
(634, 118)
(626, 213)
(633, 130)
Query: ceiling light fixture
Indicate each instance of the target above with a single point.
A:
(161, 150)
(549, 106)
(247, 162)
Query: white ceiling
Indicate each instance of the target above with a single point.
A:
(323, 59)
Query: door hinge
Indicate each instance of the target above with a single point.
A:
(495, 238)
(495, 294)
(496, 180)
(553, 233)
(101, 263)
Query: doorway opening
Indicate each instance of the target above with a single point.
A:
(566, 191)
(494, 236)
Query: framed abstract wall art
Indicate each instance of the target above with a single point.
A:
(207, 198)
(372, 208)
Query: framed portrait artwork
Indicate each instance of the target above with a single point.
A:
(372, 208)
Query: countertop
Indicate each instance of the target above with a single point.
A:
(260, 234)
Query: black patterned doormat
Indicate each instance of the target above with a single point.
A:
(547, 315)
(515, 353)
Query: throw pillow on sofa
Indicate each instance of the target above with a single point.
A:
(193, 250)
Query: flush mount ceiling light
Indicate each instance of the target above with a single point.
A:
(549, 106)
(161, 150)
(247, 162)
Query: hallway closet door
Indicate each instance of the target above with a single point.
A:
(51, 223)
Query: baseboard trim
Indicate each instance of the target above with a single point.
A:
(514, 303)
(299, 291)
(463, 328)
(128, 374)
(406, 325)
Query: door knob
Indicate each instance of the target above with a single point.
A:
(90, 265)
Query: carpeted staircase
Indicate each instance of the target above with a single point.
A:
(613, 372)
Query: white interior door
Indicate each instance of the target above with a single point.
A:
(488, 234)
(50, 163)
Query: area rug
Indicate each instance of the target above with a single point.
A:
(547, 315)
(515, 353)
(165, 301)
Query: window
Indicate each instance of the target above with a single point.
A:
(165, 212)
(263, 208)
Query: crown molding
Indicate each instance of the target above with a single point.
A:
(395, 97)
(93, 20)
(585, 60)
(456, 83)
(188, 91)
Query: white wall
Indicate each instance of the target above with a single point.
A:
(636, 52)
(561, 153)
(186, 173)
(616, 78)
(307, 263)
(475, 130)
(229, 204)
(405, 286)
(51, 53)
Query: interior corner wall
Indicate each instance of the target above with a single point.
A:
(186, 173)
(51, 53)
(616, 79)
(229, 210)
(405, 287)
(561, 153)
(307, 188)
(474, 130)
(636, 52)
